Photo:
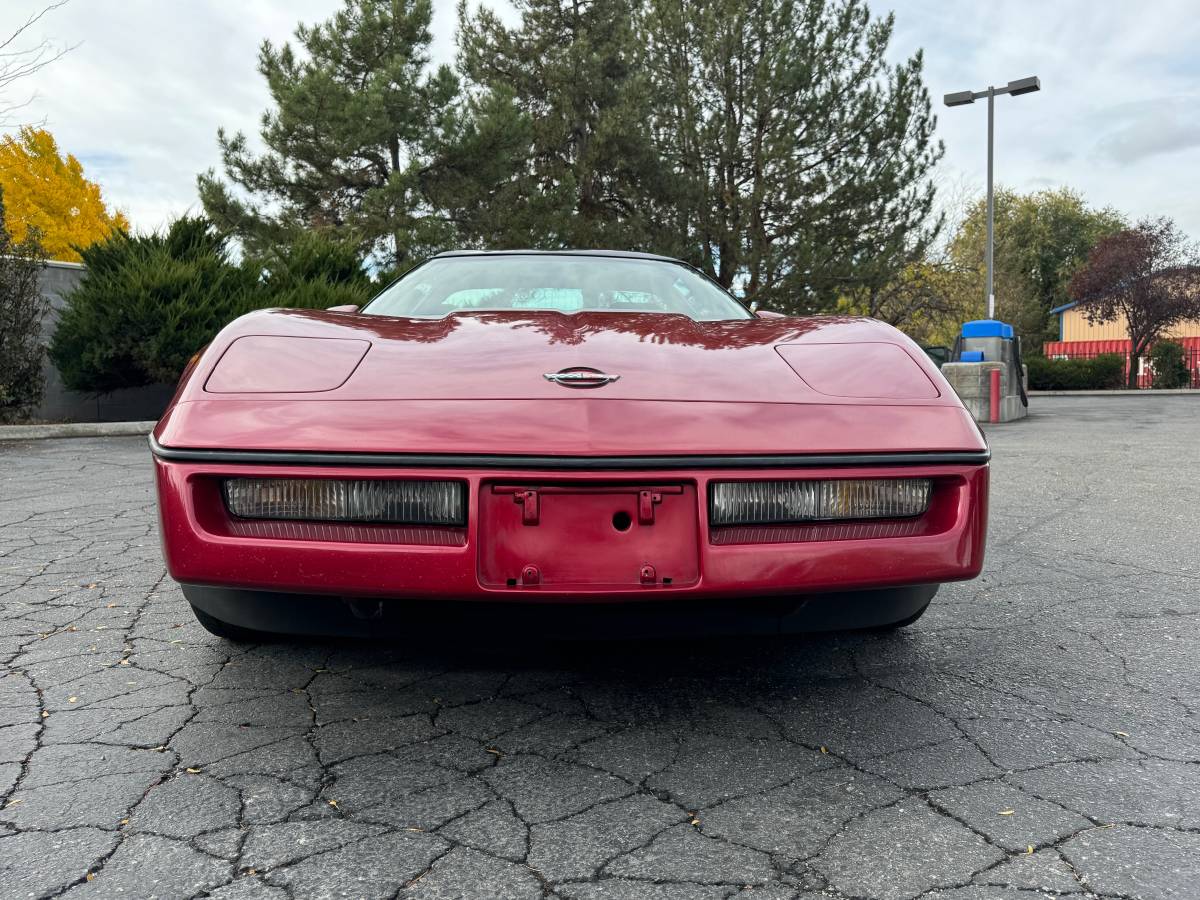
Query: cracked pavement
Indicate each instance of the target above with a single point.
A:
(1036, 733)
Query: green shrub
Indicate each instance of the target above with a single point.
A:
(146, 304)
(21, 310)
(149, 302)
(1103, 372)
(1108, 371)
(314, 272)
(1170, 366)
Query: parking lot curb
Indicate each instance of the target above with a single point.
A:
(73, 430)
(1122, 393)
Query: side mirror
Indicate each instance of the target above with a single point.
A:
(344, 308)
(767, 314)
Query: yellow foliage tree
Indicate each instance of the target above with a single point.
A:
(46, 191)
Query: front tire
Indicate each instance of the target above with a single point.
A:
(235, 633)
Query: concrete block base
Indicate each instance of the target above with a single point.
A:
(973, 384)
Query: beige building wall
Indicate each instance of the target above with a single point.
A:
(1075, 327)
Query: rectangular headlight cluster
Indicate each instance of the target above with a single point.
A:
(348, 500)
(779, 502)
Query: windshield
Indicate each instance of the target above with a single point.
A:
(557, 282)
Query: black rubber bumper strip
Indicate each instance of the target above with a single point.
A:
(571, 463)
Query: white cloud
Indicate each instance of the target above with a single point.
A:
(1116, 117)
(140, 100)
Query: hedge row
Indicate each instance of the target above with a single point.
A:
(1099, 373)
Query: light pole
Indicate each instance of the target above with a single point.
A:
(962, 98)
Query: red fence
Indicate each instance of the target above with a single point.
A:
(1092, 349)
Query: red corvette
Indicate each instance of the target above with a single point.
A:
(533, 436)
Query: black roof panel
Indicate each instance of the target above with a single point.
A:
(622, 254)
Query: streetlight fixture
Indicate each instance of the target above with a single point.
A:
(962, 98)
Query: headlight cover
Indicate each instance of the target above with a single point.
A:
(781, 502)
(347, 500)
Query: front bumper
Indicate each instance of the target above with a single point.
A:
(205, 546)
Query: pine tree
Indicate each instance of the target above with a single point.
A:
(570, 80)
(804, 155)
(355, 118)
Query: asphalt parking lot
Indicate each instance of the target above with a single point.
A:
(1037, 732)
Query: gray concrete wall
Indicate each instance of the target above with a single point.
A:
(973, 384)
(61, 405)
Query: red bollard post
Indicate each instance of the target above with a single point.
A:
(995, 396)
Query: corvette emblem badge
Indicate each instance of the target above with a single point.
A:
(580, 377)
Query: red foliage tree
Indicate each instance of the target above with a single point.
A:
(1150, 275)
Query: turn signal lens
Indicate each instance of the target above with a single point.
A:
(343, 500)
(771, 502)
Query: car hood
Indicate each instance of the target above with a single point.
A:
(506, 355)
(475, 382)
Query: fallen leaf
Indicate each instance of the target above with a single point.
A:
(161, 747)
(494, 751)
(1121, 733)
(110, 606)
(695, 821)
(45, 715)
(92, 585)
(192, 771)
(123, 822)
(122, 662)
(72, 699)
(90, 876)
(1007, 812)
(333, 803)
(1029, 850)
(72, 628)
(12, 803)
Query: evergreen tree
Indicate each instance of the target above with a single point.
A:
(355, 118)
(149, 301)
(804, 155)
(312, 272)
(22, 309)
(146, 304)
(571, 81)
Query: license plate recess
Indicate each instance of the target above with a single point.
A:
(588, 535)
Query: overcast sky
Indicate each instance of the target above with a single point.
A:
(139, 100)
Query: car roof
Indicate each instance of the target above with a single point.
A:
(620, 254)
